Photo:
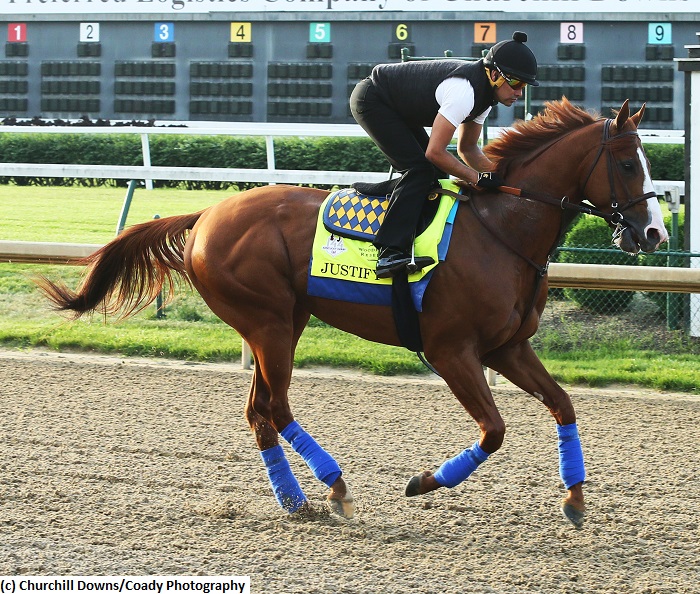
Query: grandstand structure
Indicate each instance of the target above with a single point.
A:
(298, 60)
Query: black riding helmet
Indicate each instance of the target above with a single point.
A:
(514, 58)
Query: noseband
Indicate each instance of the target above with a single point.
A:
(616, 217)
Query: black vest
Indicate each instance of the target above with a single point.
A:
(409, 87)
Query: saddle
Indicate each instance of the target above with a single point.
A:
(357, 213)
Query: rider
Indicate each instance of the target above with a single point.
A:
(397, 102)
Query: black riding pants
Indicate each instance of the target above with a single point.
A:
(404, 144)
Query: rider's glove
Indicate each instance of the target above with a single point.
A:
(490, 180)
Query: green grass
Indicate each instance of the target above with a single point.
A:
(190, 331)
(88, 215)
(596, 353)
(651, 369)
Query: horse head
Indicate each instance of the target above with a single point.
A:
(619, 183)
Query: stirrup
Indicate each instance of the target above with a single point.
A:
(418, 263)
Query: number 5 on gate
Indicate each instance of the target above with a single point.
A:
(319, 32)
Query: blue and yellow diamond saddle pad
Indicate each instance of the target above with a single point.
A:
(342, 267)
(350, 214)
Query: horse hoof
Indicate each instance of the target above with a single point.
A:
(305, 510)
(344, 507)
(416, 485)
(573, 514)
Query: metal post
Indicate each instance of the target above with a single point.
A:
(146, 152)
(270, 151)
(127, 204)
(160, 308)
(691, 67)
(673, 300)
(527, 92)
(246, 356)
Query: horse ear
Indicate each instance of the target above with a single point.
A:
(622, 115)
(637, 117)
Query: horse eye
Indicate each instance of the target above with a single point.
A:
(627, 166)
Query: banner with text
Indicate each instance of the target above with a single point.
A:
(97, 7)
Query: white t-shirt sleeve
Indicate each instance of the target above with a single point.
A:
(455, 96)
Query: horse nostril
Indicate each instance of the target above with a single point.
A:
(654, 237)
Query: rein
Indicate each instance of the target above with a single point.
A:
(614, 218)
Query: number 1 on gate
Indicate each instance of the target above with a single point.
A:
(17, 32)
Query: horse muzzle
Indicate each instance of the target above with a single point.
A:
(641, 231)
(632, 241)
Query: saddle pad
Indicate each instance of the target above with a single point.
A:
(350, 214)
(342, 268)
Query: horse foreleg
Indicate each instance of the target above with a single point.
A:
(466, 380)
(520, 364)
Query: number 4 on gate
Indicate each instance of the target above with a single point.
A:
(241, 32)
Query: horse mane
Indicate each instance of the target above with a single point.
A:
(523, 137)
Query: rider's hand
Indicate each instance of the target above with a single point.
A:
(490, 180)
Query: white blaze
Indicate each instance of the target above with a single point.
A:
(653, 209)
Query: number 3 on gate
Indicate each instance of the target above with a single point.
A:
(164, 32)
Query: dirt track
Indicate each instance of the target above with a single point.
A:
(128, 467)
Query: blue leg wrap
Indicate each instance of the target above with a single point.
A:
(321, 463)
(284, 484)
(457, 469)
(571, 466)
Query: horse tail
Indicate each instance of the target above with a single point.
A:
(128, 273)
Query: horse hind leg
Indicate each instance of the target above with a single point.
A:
(285, 485)
(268, 412)
(520, 364)
(325, 468)
(269, 402)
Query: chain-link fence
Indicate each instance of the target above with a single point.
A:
(588, 242)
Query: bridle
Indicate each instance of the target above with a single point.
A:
(615, 217)
(586, 206)
(607, 146)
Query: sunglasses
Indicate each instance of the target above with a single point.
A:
(513, 83)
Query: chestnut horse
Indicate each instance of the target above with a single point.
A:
(248, 257)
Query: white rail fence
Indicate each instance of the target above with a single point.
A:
(590, 276)
(269, 131)
(579, 276)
